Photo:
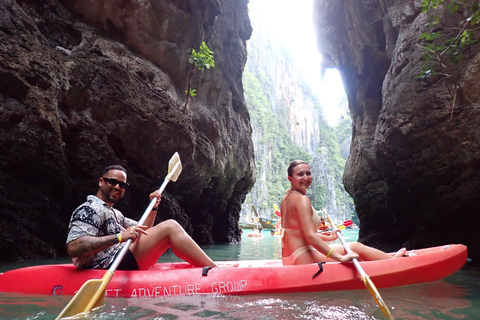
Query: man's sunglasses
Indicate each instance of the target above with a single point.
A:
(114, 182)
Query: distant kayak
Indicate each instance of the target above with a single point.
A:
(249, 277)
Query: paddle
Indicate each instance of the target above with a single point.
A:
(255, 211)
(277, 212)
(365, 278)
(256, 214)
(92, 293)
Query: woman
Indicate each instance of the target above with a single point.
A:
(300, 242)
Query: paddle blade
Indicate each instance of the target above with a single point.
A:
(376, 295)
(254, 210)
(275, 207)
(347, 223)
(91, 293)
(174, 167)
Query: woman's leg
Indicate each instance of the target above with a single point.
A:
(367, 253)
(313, 256)
(168, 234)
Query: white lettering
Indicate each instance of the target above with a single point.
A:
(187, 289)
(243, 284)
(221, 286)
(229, 286)
(115, 292)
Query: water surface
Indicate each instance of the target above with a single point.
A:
(456, 297)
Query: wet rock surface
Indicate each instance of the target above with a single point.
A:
(414, 158)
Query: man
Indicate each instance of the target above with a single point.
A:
(97, 231)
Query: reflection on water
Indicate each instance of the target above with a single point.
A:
(456, 297)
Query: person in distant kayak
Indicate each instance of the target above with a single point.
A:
(278, 225)
(300, 242)
(97, 231)
(323, 225)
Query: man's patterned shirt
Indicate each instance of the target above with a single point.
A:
(96, 218)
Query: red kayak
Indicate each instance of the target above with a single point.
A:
(249, 277)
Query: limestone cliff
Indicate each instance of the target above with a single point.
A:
(287, 119)
(85, 84)
(413, 169)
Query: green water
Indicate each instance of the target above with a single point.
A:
(456, 297)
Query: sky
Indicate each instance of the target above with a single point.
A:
(292, 23)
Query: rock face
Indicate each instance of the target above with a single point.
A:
(85, 84)
(413, 169)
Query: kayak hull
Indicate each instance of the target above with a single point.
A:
(249, 277)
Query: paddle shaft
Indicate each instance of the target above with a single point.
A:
(144, 217)
(347, 248)
(365, 278)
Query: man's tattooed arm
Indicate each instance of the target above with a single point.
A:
(87, 245)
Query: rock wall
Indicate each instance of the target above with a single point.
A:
(414, 158)
(85, 84)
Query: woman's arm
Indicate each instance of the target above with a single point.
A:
(331, 237)
(304, 213)
(304, 210)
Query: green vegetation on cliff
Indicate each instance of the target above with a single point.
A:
(444, 47)
(274, 143)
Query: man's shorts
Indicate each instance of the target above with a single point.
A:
(128, 262)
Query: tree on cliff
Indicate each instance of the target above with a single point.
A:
(201, 59)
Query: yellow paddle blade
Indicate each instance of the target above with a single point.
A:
(84, 297)
(174, 167)
(275, 207)
(376, 295)
(91, 295)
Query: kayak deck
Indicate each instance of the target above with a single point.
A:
(240, 277)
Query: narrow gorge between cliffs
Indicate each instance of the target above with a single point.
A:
(287, 113)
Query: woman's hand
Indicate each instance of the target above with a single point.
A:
(334, 233)
(157, 194)
(133, 232)
(348, 257)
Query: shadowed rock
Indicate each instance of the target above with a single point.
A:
(414, 158)
(85, 84)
